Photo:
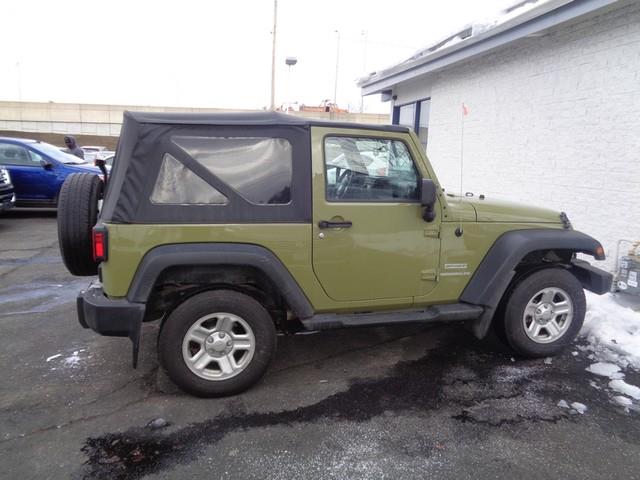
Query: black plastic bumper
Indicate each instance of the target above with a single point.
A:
(111, 317)
(592, 278)
(7, 199)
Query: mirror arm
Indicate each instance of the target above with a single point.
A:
(428, 213)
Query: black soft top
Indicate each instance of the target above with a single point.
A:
(247, 118)
(147, 136)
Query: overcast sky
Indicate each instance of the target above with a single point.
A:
(207, 53)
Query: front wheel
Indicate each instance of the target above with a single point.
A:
(544, 313)
(217, 343)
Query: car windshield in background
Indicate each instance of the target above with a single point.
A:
(57, 154)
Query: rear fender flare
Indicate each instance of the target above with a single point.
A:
(160, 258)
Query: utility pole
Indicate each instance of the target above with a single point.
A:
(335, 85)
(273, 55)
(364, 34)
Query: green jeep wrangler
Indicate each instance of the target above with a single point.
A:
(230, 227)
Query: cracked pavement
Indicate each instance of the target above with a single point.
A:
(416, 402)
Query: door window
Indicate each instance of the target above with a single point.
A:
(16, 155)
(369, 170)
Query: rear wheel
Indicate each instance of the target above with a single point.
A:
(544, 313)
(217, 343)
(77, 214)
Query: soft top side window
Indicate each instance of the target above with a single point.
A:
(259, 169)
(177, 185)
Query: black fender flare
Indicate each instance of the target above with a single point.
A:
(162, 257)
(496, 271)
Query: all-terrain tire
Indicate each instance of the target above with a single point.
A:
(518, 326)
(175, 332)
(77, 215)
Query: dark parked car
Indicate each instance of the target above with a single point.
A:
(7, 195)
(38, 170)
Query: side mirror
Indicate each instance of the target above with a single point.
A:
(102, 165)
(428, 195)
(46, 164)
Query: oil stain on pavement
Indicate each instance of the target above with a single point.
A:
(473, 387)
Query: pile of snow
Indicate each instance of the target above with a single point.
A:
(613, 331)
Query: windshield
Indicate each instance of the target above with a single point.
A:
(57, 154)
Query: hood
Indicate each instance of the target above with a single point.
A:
(493, 210)
(459, 210)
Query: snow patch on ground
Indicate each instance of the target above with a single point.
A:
(625, 388)
(575, 407)
(613, 331)
(605, 369)
(581, 408)
(73, 360)
(623, 401)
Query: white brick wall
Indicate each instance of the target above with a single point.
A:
(554, 121)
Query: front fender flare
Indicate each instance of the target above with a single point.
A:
(494, 274)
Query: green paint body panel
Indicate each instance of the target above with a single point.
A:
(389, 259)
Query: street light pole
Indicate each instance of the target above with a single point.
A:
(290, 62)
(273, 55)
(335, 85)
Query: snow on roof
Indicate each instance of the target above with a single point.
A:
(470, 31)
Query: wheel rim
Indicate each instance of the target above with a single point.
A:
(548, 315)
(218, 346)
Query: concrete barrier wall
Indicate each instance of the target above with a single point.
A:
(105, 120)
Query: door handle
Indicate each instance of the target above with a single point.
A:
(326, 224)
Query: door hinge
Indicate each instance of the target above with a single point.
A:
(430, 274)
(432, 233)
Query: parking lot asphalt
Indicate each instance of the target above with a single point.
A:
(410, 402)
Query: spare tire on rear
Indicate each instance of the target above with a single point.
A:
(77, 215)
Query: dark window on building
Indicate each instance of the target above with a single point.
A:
(259, 169)
(415, 116)
(407, 115)
(369, 169)
(423, 121)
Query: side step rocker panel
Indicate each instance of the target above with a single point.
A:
(437, 313)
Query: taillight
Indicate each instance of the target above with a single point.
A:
(99, 244)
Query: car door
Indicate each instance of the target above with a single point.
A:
(27, 175)
(369, 239)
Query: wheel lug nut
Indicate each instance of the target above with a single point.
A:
(228, 343)
(221, 335)
(209, 340)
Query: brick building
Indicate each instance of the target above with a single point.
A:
(553, 92)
